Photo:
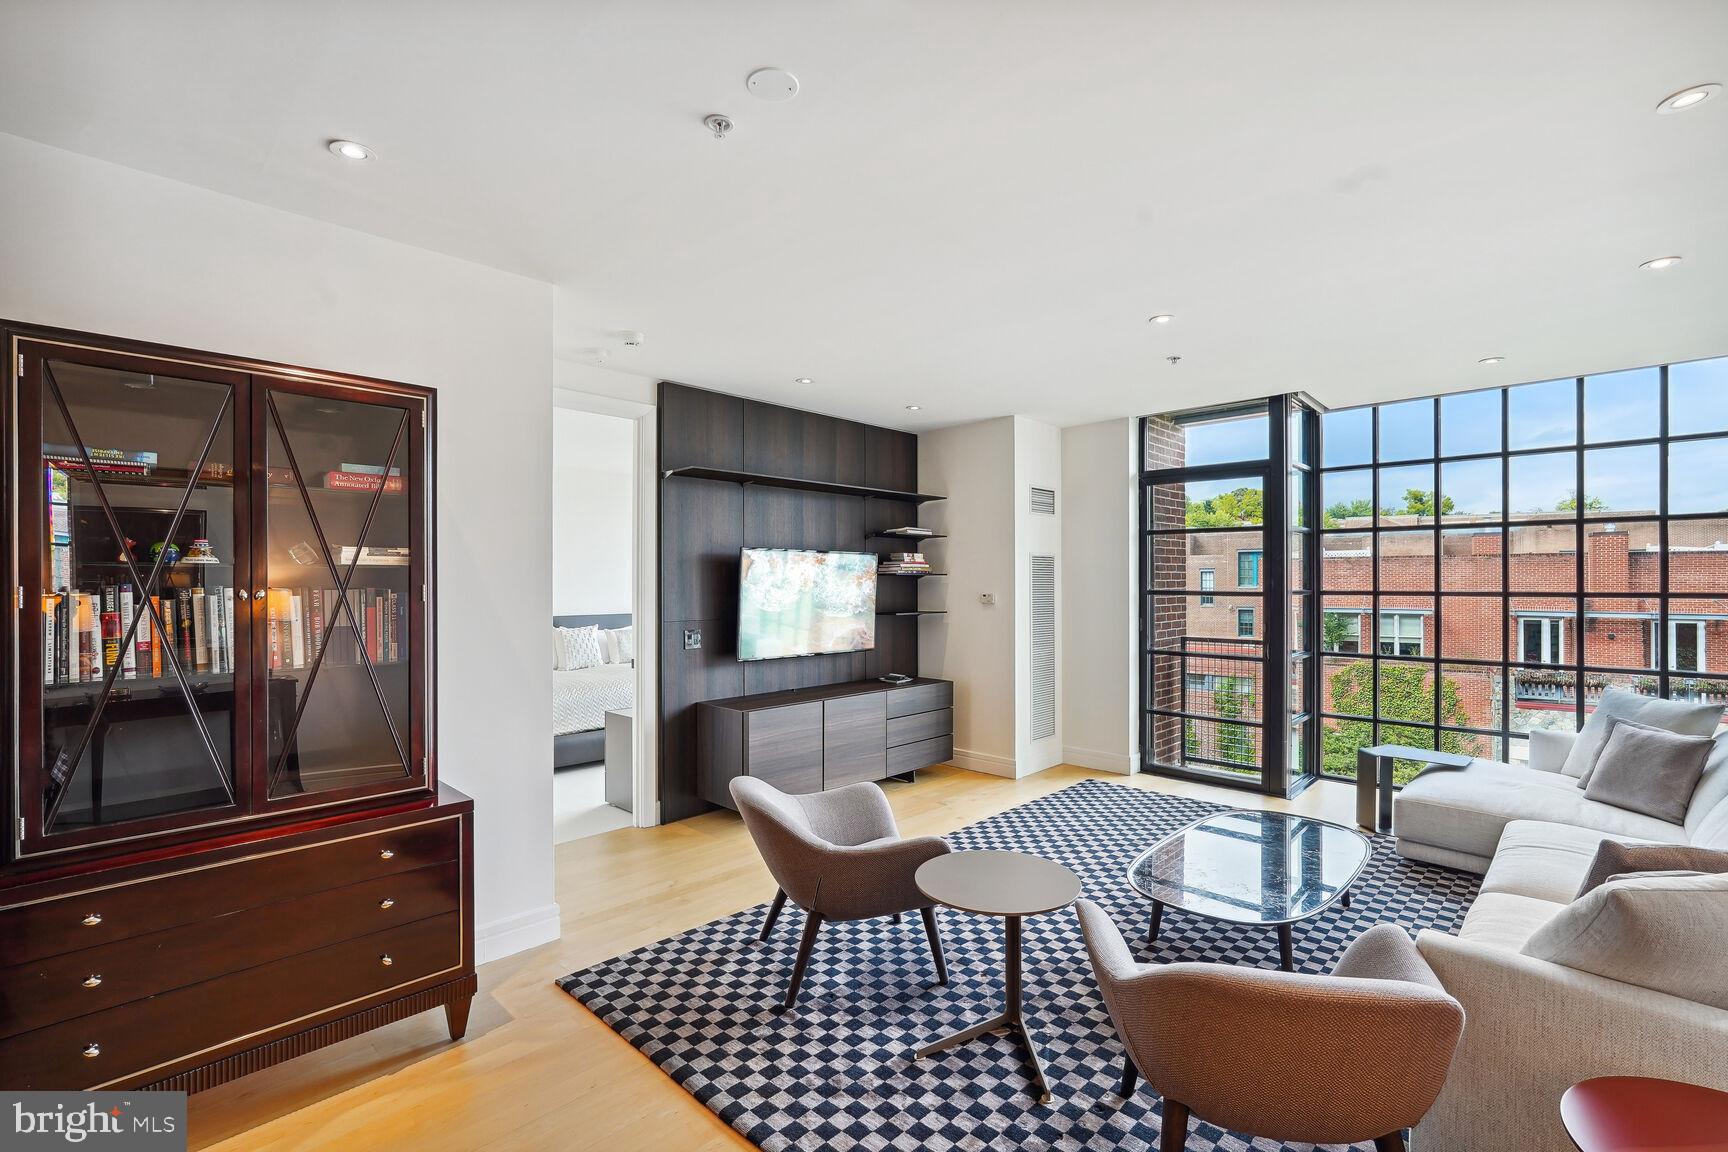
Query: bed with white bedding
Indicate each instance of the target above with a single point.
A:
(581, 696)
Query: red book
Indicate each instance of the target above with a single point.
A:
(362, 482)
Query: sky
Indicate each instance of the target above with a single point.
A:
(1617, 406)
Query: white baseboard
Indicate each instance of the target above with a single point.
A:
(1125, 764)
(517, 933)
(984, 762)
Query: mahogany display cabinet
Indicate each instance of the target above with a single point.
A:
(226, 843)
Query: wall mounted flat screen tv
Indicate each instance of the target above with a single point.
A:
(797, 603)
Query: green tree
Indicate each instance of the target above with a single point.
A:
(1404, 695)
(1420, 502)
(1570, 504)
(1348, 510)
(1237, 508)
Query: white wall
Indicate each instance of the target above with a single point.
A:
(593, 512)
(1099, 575)
(1037, 463)
(95, 246)
(973, 645)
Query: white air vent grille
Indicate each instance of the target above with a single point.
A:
(1043, 646)
(1044, 501)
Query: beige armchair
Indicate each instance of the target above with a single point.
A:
(839, 856)
(1357, 1055)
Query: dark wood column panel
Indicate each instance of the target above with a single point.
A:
(705, 523)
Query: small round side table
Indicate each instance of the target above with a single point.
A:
(1642, 1114)
(1011, 885)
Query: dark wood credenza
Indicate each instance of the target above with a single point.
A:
(200, 965)
(813, 739)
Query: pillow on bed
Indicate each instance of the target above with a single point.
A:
(576, 647)
(620, 645)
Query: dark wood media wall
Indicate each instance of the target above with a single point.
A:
(705, 523)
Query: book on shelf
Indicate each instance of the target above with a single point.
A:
(100, 455)
(110, 624)
(362, 482)
(374, 555)
(89, 637)
(165, 637)
(906, 557)
(50, 610)
(128, 653)
(228, 629)
(200, 632)
(911, 530)
(369, 469)
(297, 629)
(183, 634)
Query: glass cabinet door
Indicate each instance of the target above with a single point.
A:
(133, 539)
(338, 613)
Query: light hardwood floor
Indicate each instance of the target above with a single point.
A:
(539, 1071)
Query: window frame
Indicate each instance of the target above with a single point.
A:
(1259, 555)
(1208, 585)
(1249, 614)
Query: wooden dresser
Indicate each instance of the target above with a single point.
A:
(813, 739)
(187, 970)
(223, 842)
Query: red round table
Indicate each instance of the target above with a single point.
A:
(1639, 1114)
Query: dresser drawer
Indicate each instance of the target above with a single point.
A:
(923, 726)
(126, 1044)
(909, 757)
(914, 698)
(42, 992)
(192, 893)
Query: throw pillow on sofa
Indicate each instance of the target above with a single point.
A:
(1676, 716)
(1648, 770)
(1664, 933)
(1616, 859)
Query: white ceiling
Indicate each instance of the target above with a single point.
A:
(973, 205)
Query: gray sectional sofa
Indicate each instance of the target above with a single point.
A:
(1536, 1025)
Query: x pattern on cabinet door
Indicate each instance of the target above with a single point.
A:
(342, 577)
(61, 773)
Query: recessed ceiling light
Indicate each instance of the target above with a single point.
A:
(351, 150)
(1490, 359)
(1687, 98)
(913, 407)
(803, 380)
(1161, 318)
(1660, 263)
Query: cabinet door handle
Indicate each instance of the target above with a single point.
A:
(386, 903)
(386, 855)
(91, 1051)
(258, 594)
(92, 980)
(92, 920)
(386, 960)
(242, 593)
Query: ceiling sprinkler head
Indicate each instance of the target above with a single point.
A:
(718, 124)
(1174, 359)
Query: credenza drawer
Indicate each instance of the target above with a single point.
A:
(923, 726)
(41, 992)
(128, 1042)
(103, 915)
(915, 698)
(910, 757)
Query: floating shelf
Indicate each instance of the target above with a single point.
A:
(731, 477)
(931, 612)
(905, 536)
(913, 575)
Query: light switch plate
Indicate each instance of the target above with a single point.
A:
(692, 639)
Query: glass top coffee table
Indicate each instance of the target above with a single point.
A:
(1269, 868)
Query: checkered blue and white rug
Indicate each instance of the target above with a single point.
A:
(836, 1071)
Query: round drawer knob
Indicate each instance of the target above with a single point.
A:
(386, 960)
(92, 980)
(386, 903)
(91, 1051)
(386, 855)
(92, 920)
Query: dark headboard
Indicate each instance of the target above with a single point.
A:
(605, 620)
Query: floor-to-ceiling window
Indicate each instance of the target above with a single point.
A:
(1516, 551)
(1227, 577)
(1481, 565)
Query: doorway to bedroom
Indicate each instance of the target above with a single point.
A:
(594, 638)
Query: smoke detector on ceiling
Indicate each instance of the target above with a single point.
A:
(772, 84)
